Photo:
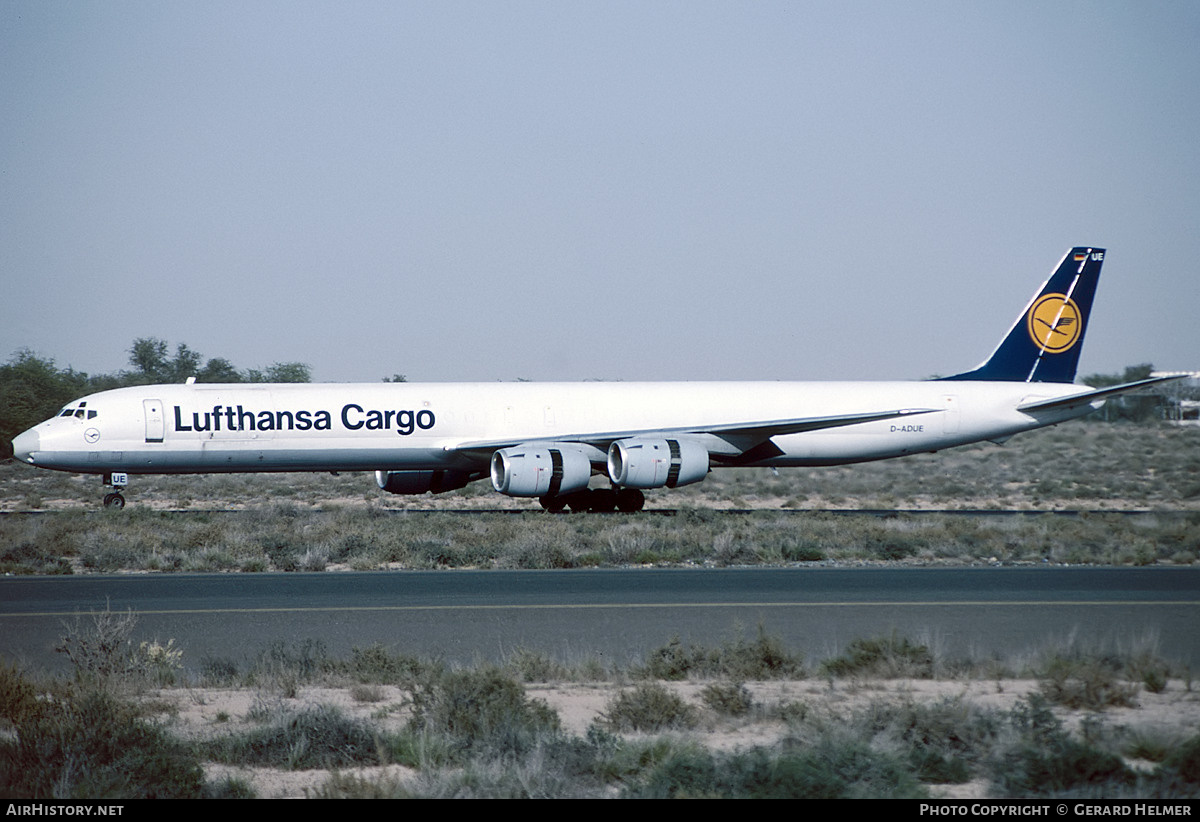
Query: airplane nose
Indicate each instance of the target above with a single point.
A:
(25, 444)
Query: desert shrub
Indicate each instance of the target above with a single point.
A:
(287, 666)
(1047, 761)
(1091, 683)
(318, 737)
(1150, 669)
(944, 739)
(934, 767)
(101, 650)
(100, 646)
(689, 773)
(348, 786)
(830, 769)
(534, 666)
(484, 709)
(648, 707)
(728, 698)
(1181, 768)
(85, 744)
(218, 671)
(1068, 765)
(889, 656)
(1151, 746)
(376, 664)
(763, 657)
(804, 552)
(26, 557)
(230, 787)
(1155, 679)
(673, 661)
(557, 767)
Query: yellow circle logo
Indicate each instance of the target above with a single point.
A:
(1054, 323)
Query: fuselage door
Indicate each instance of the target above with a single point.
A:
(155, 424)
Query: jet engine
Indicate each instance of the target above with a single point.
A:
(420, 482)
(647, 463)
(540, 471)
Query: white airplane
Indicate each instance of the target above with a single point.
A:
(547, 440)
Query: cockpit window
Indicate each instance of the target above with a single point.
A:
(79, 413)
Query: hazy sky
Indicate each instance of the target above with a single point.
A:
(581, 190)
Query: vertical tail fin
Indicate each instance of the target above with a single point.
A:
(1044, 343)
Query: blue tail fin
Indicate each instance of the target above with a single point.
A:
(1044, 343)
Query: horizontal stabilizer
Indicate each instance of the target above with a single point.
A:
(1080, 400)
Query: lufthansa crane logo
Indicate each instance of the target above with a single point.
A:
(1055, 323)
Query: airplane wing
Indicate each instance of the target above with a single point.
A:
(1089, 397)
(741, 437)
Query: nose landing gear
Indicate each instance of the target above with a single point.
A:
(114, 499)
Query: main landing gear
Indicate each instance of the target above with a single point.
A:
(598, 500)
(114, 499)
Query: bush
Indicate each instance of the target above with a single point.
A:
(101, 646)
(889, 656)
(763, 657)
(831, 769)
(1047, 761)
(480, 709)
(319, 737)
(1091, 684)
(1182, 767)
(87, 745)
(376, 664)
(728, 698)
(648, 707)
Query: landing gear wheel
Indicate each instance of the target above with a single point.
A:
(117, 480)
(579, 501)
(630, 500)
(603, 500)
(554, 505)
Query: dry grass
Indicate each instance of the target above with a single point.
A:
(288, 522)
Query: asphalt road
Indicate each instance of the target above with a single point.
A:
(462, 616)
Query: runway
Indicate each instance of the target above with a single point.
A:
(618, 614)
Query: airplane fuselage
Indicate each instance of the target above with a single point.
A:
(201, 428)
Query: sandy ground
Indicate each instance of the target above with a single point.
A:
(203, 712)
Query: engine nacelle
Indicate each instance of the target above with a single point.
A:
(420, 482)
(647, 463)
(540, 471)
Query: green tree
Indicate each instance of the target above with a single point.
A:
(281, 372)
(151, 363)
(32, 389)
(219, 369)
(148, 356)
